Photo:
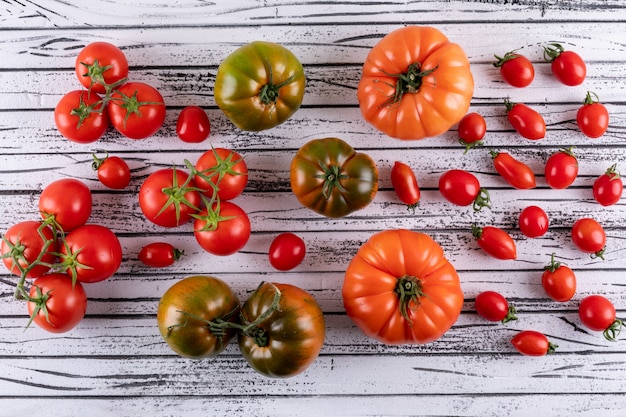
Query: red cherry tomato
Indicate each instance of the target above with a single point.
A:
(68, 200)
(533, 221)
(515, 69)
(101, 64)
(516, 173)
(532, 343)
(222, 228)
(287, 251)
(608, 187)
(159, 254)
(588, 235)
(567, 66)
(558, 281)
(29, 248)
(136, 110)
(222, 170)
(462, 188)
(193, 125)
(80, 118)
(495, 242)
(525, 120)
(405, 184)
(492, 306)
(598, 314)
(113, 171)
(561, 169)
(472, 130)
(592, 117)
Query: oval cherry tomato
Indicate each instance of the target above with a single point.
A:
(598, 314)
(222, 228)
(101, 64)
(567, 66)
(113, 171)
(223, 171)
(588, 235)
(159, 254)
(525, 120)
(495, 242)
(462, 188)
(515, 69)
(472, 130)
(558, 281)
(29, 248)
(193, 125)
(516, 173)
(532, 343)
(492, 306)
(56, 303)
(608, 187)
(136, 110)
(287, 251)
(79, 116)
(561, 169)
(533, 221)
(592, 117)
(68, 200)
(405, 184)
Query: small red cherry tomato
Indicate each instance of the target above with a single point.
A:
(561, 169)
(79, 116)
(525, 120)
(588, 235)
(558, 281)
(286, 251)
(567, 66)
(495, 242)
(68, 200)
(532, 343)
(136, 110)
(462, 188)
(100, 66)
(405, 184)
(533, 221)
(592, 117)
(193, 125)
(222, 171)
(515, 69)
(222, 228)
(492, 306)
(159, 254)
(608, 187)
(598, 314)
(113, 171)
(472, 130)
(516, 173)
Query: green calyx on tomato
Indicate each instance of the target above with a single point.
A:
(212, 217)
(408, 82)
(131, 104)
(409, 290)
(84, 110)
(176, 195)
(95, 72)
(223, 166)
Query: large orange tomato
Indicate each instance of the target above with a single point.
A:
(400, 288)
(415, 83)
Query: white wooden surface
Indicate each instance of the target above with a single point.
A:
(115, 363)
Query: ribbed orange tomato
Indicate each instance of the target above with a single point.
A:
(415, 83)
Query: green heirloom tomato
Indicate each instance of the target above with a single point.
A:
(331, 178)
(259, 86)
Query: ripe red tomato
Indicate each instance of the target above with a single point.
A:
(159, 254)
(101, 64)
(567, 66)
(525, 120)
(495, 242)
(492, 306)
(405, 184)
(136, 110)
(29, 248)
(462, 188)
(68, 200)
(561, 169)
(287, 251)
(592, 117)
(472, 130)
(559, 281)
(515, 69)
(79, 116)
(516, 173)
(113, 171)
(533, 221)
(608, 187)
(223, 170)
(532, 343)
(598, 314)
(193, 125)
(56, 303)
(222, 228)
(588, 235)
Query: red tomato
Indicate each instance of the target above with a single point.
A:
(516, 173)
(472, 130)
(526, 121)
(223, 170)
(68, 200)
(113, 171)
(598, 314)
(193, 125)
(592, 117)
(405, 184)
(515, 69)
(56, 303)
(561, 169)
(608, 187)
(137, 110)
(91, 253)
(168, 197)
(495, 242)
(533, 221)
(567, 66)
(588, 236)
(79, 116)
(532, 343)
(222, 229)
(287, 251)
(462, 188)
(492, 306)
(29, 248)
(101, 64)
(559, 281)
(159, 254)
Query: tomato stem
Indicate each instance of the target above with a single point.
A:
(409, 291)
(613, 330)
(332, 177)
(553, 265)
(507, 57)
(176, 195)
(552, 51)
(510, 315)
(270, 92)
(482, 200)
(409, 82)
